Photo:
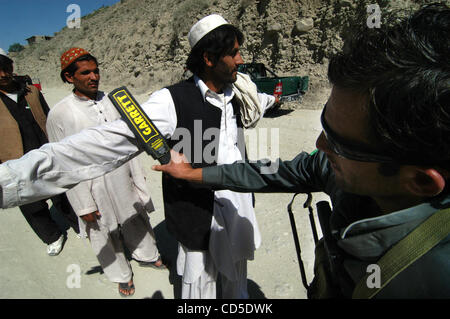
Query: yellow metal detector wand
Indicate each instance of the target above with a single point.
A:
(147, 135)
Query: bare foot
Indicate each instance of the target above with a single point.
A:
(126, 289)
(153, 264)
(158, 263)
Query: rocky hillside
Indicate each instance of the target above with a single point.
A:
(143, 43)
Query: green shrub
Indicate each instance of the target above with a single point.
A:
(16, 47)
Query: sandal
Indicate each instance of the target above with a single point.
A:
(126, 287)
(152, 264)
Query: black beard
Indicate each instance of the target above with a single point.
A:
(14, 84)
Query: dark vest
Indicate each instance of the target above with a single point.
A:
(11, 138)
(188, 206)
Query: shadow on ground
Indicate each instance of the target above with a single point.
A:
(277, 112)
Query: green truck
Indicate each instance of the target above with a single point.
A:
(290, 88)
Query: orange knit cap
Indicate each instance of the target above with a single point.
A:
(71, 55)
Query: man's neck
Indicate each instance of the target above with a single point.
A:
(84, 95)
(389, 205)
(212, 84)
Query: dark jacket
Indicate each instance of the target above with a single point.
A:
(22, 124)
(359, 232)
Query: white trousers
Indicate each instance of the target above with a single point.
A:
(199, 276)
(138, 237)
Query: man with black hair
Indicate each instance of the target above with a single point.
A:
(113, 208)
(204, 115)
(23, 112)
(384, 160)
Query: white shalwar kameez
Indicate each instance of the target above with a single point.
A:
(120, 196)
(234, 230)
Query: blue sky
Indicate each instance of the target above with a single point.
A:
(21, 19)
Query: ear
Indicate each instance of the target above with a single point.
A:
(68, 77)
(425, 182)
(208, 61)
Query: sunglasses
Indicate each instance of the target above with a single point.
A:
(350, 150)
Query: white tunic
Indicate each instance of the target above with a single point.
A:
(118, 195)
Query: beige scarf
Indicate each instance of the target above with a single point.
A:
(247, 94)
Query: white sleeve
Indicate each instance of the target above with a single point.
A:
(266, 101)
(56, 167)
(161, 111)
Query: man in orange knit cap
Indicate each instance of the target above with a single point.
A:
(114, 206)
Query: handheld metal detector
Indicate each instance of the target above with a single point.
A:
(147, 135)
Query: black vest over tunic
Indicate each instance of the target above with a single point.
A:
(188, 206)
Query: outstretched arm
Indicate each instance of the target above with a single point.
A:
(56, 167)
(179, 167)
(305, 173)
